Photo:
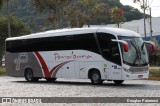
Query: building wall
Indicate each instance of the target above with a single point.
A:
(138, 26)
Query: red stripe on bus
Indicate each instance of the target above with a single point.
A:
(46, 71)
(58, 66)
(44, 66)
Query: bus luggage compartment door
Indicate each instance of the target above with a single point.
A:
(68, 70)
(115, 72)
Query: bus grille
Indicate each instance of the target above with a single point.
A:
(139, 70)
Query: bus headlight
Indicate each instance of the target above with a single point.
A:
(127, 70)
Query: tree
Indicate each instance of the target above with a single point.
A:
(8, 12)
(117, 15)
(77, 13)
(26, 10)
(86, 12)
(93, 9)
(1, 4)
(18, 28)
(56, 8)
(144, 6)
(130, 13)
(74, 17)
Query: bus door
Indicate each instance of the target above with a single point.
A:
(111, 54)
(115, 64)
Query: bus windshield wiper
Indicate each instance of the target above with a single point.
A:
(143, 53)
(136, 53)
(139, 56)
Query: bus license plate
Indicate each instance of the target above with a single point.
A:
(140, 76)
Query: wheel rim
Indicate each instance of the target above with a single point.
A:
(29, 75)
(95, 78)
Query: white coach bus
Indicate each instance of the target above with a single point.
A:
(83, 53)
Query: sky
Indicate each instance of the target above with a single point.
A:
(154, 4)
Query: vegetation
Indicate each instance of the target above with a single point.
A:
(1, 4)
(25, 10)
(143, 3)
(154, 56)
(81, 12)
(2, 70)
(56, 9)
(43, 15)
(154, 72)
(18, 27)
(76, 13)
(117, 15)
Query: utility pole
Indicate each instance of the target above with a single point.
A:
(150, 21)
(9, 23)
(144, 15)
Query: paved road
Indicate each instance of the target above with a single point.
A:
(18, 87)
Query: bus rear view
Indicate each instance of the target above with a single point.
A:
(97, 54)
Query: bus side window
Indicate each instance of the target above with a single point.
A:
(110, 50)
(115, 52)
(104, 45)
(115, 57)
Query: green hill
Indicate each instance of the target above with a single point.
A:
(25, 10)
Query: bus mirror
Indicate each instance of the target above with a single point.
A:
(125, 44)
(153, 45)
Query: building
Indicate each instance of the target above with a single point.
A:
(138, 26)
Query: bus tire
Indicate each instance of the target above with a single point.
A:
(118, 82)
(29, 76)
(96, 77)
(51, 79)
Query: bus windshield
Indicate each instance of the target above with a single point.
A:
(137, 52)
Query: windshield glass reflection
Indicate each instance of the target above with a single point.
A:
(137, 52)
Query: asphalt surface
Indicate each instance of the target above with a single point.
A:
(18, 87)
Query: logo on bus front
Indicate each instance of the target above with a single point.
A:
(22, 58)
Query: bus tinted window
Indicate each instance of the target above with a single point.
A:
(69, 42)
(110, 50)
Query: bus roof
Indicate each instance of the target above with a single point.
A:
(72, 31)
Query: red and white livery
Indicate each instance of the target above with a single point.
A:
(83, 53)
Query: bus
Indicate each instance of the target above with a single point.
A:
(98, 54)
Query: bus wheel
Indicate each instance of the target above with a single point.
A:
(118, 82)
(51, 79)
(29, 76)
(96, 77)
